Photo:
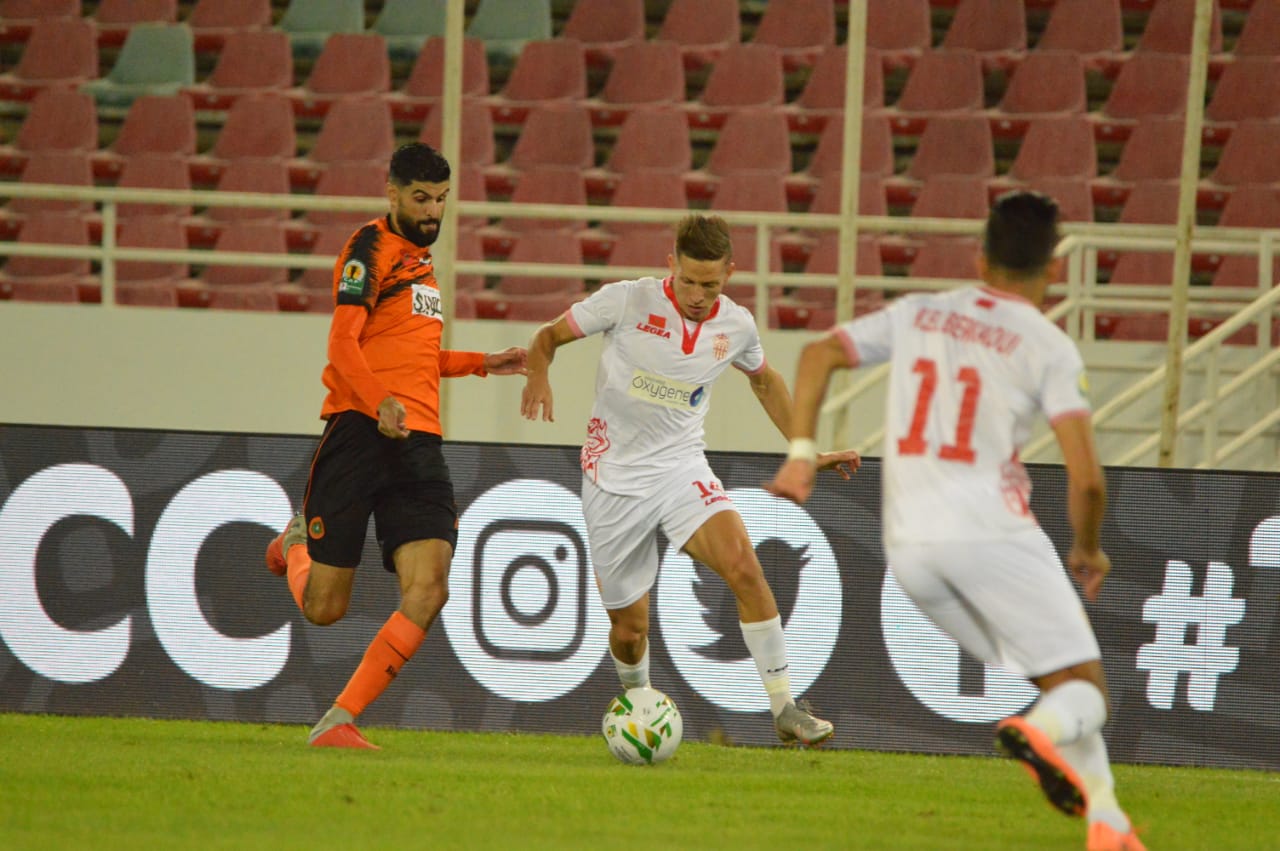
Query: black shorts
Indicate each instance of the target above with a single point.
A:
(356, 472)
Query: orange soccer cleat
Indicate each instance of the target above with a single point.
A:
(343, 736)
(294, 533)
(1104, 837)
(1017, 739)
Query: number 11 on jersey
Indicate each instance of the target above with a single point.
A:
(962, 449)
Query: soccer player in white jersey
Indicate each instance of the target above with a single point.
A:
(972, 369)
(665, 343)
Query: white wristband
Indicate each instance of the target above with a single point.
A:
(804, 449)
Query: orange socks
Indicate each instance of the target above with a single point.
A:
(394, 644)
(299, 562)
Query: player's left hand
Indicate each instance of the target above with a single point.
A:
(1090, 569)
(794, 480)
(507, 362)
(846, 462)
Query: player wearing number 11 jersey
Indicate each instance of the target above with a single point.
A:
(666, 342)
(971, 370)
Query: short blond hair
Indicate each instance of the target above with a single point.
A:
(700, 237)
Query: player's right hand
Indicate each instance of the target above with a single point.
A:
(793, 481)
(391, 416)
(535, 401)
(1089, 569)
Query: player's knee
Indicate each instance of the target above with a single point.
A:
(323, 611)
(426, 598)
(741, 570)
(629, 632)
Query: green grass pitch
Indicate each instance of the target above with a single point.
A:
(107, 783)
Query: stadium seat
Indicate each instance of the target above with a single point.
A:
(751, 191)
(559, 247)
(309, 23)
(545, 71)
(158, 293)
(116, 17)
(825, 259)
(647, 247)
(424, 87)
(239, 286)
(147, 170)
(28, 278)
(406, 25)
(954, 258)
(949, 145)
(1152, 152)
(59, 52)
(651, 139)
(1046, 82)
(17, 17)
(900, 29)
(604, 27)
(643, 74)
(1092, 29)
(58, 119)
(59, 168)
(249, 60)
(336, 143)
(257, 125)
(751, 140)
(155, 124)
(1075, 201)
(1250, 206)
(952, 196)
(876, 156)
(745, 75)
(660, 190)
(349, 64)
(470, 247)
(797, 247)
(505, 26)
(213, 21)
(143, 231)
(995, 29)
(523, 308)
(555, 133)
(1059, 146)
(801, 29)
(1260, 35)
(318, 283)
(1248, 88)
(538, 185)
(157, 59)
(246, 174)
(1153, 202)
(941, 82)
(1169, 25)
(1149, 85)
(1251, 155)
(477, 143)
(823, 95)
(703, 28)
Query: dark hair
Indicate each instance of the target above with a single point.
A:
(701, 237)
(417, 161)
(1021, 233)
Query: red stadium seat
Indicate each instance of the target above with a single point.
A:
(1149, 85)
(643, 74)
(116, 17)
(17, 17)
(555, 134)
(704, 29)
(900, 29)
(801, 29)
(250, 60)
(59, 52)
(751, 140)
(212, 22)
(23, 277)
(539, 185)
(154, 171)
(1251, 155)
(60, 168)
(545, 72)
(336, 143)
(1093, 29)
(947, 257)
(1248, 88)
(1260, 35)
(1153, 152)
(651, 139)
(995, 29)
(154, 124)
(57, 120)
(257, 126)
(942, 82)
(1169, 25)
(822, 98)
(425, 85)
(1060, 147)
(745, 75)
(250, 174)
(164, 232)
(1046, 82)
(477, 143)
(949, 145)
(351, 64)
(824, 166)
(605, 27)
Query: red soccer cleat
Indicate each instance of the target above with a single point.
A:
(343, 736)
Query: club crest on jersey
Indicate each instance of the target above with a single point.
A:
(426, 301)
(656, 325)
(354, 274)
(720, 346)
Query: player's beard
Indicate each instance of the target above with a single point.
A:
(418, 231)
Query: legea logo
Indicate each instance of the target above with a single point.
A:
(927, 661)
(524, 616)
(200, 508)
(705, 642)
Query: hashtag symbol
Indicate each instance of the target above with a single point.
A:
(1172, 611)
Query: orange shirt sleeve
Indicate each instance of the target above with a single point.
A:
(455, 364)
(348, 360)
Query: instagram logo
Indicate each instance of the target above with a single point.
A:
(524, 616)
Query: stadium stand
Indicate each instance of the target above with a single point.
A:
(116, 17)
(822, 98)
(256, 126)
(555, 133)
(941, 82)
(547, 70)
(423, 88)
(59, 52)
(406, 25)
(309, 23)
(1092, 29)
(213, 21)
(156, 124)
(17, 17)
(249, 60)
(58, 120)
(751, 140)
(800, 29)
(643, 74)
(743, 76)
(704, 29)
(651, 139)
(901, 30)
(995, 29)
(505, 26)
(1046, 82)
(605, 27)
(336, 142)
(349, 64)
(157, 59)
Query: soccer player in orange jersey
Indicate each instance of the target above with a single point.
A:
(380, 452)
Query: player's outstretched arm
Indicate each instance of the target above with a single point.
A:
(535, 401)
(794, 480)
(1086, 502)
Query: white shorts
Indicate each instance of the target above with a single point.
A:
(622, 531)
(1007, 602)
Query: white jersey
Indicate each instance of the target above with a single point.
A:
(653, 385)
(972, 369)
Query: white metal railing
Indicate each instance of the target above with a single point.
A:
(1082, 297)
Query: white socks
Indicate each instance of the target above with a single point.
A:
(768, 648)
(1072, 715)
(1069, 712)
(633, 676)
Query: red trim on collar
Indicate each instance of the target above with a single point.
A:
(994, 293)
(688, 340)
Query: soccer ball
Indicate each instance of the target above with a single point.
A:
(642, 727)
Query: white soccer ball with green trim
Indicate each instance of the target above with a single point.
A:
(642, 727)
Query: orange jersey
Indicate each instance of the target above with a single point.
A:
(385, 336)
